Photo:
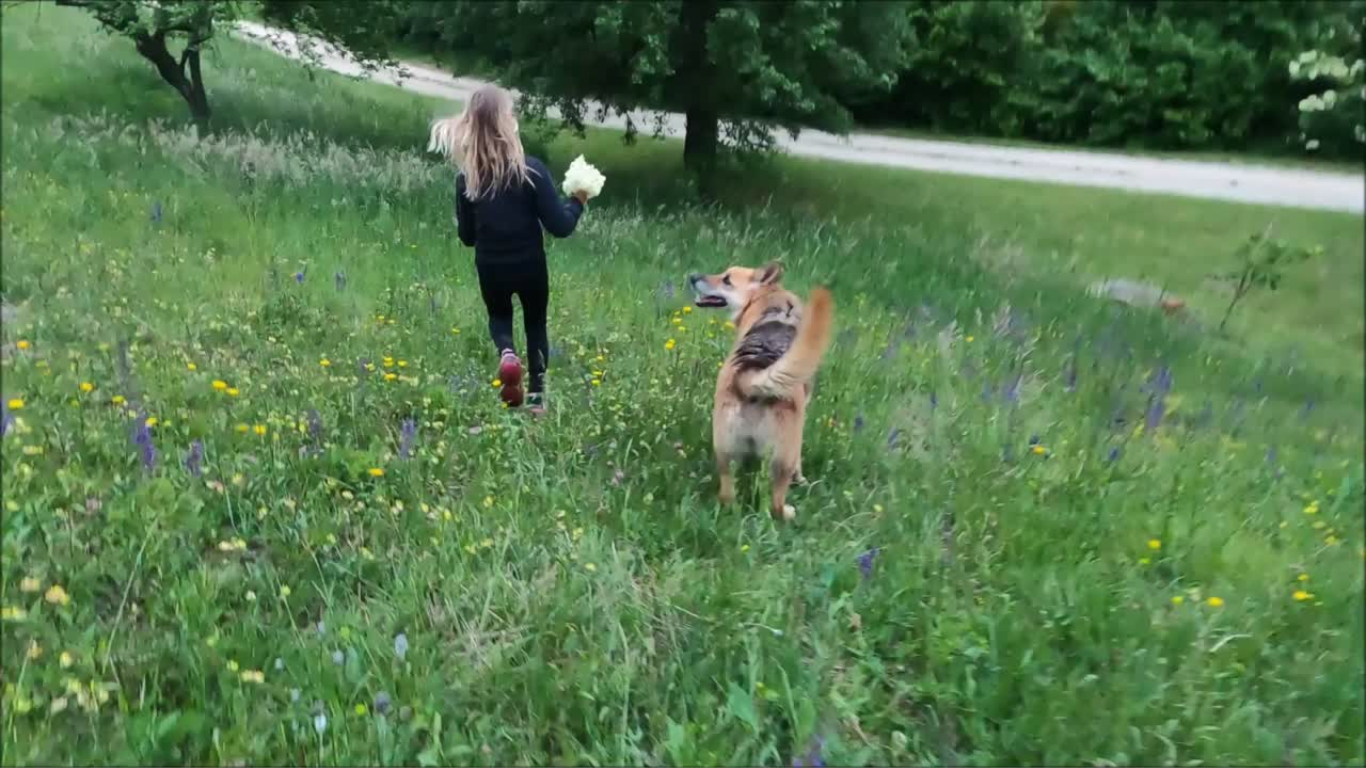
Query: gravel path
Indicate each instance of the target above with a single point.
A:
(1235, 182)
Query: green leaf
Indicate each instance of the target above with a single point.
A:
(741, 706)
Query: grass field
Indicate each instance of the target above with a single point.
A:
(260, 506)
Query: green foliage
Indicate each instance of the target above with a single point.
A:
(1161, 74)
(156, 26)
(748, 65)
(1331, 120)
(1262, 262)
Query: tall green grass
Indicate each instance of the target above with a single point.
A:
(1020, 543)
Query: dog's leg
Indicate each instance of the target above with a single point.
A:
(787, 457)
(726, 492)
(782, 478)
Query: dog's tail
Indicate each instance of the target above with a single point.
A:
(798, 365)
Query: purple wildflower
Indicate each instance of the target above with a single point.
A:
(315, 430)
(1114, 455)
(1011, 393)
(383, 703)
(6, 418)
(401, 646)
(1307, 409)
(858, 423)
(1158, 386)
(409, 436)
(1271, 455)
(812, 758)
(156, 212)
(1071, 379)
(300, 275)
(142, 438)
(194, 461)
(865, 562)
(340, 280)
(893, 438)
(1033, 440)
(934, 400)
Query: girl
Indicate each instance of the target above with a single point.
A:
(502, 199)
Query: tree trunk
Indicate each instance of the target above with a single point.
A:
(191, 88)
(698, 75)
(699, 147)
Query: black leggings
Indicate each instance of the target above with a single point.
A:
(531, 284)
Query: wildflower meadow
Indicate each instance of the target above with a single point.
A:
(262, 504)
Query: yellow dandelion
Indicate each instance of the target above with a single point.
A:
(1144, 561)
(117, 400)
(402, 363)
(1215, 602)
(151, 421)
(390, 376)
(22, 344)
(590, 567)
(16, 404)
(35, 651)
(1154, 544)
(65, 659)
(233, 392)
(488, 502)
(969, 339)
(597, 382)
(57, 596)
(87, 387)
(243, 428)
(325, 362)
(1178, 599)
(30, 584)
(1039, 450)
(232, 665)
(255, 676)
(219, 385)
(670, 344)
(1301, 595)
(1302, 577)
(497, 382)
(260, 430)
(285, 591)
(361, 710)
(13, 613)
(744, 548)
(191, 367)
(377, 472)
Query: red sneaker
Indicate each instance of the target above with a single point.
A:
(510, 373)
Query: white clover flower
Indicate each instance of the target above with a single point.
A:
(582, 177)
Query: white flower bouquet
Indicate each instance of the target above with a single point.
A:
(582, 177)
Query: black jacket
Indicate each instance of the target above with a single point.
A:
(505, 226)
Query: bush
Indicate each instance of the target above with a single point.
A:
(1159, 74)
(1330, 117)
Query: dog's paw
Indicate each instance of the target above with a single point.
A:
(799, 479)
(789, 513)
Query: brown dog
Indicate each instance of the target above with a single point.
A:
(765, 384)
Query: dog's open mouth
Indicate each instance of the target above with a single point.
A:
(710, 301)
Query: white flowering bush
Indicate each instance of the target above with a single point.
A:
(1331, 119)
(582, 177)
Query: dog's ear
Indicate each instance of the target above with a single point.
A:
(771, 273)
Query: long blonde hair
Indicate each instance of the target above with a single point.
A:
(483, 143)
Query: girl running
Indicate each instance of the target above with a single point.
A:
(503, 198)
